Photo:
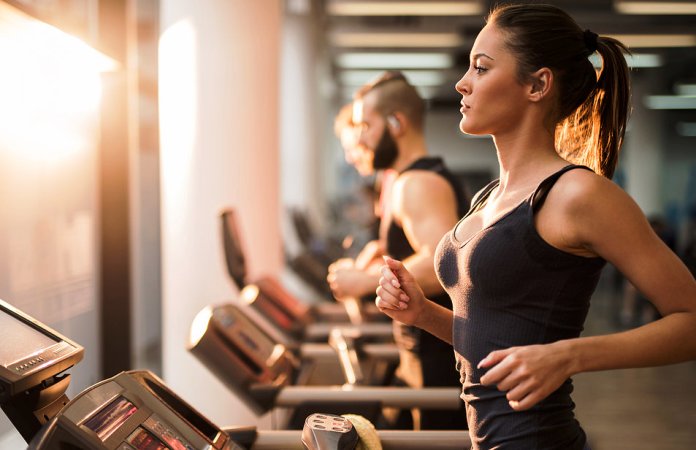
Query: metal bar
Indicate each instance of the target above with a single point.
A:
(384, 352)
(390, 439)
(429, 398)
(322, 330)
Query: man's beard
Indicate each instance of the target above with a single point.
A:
(385, 152)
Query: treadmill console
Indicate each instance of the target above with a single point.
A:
(33, 361)
(31, 352)
(131, 411)
(241, 354)
(276, 304)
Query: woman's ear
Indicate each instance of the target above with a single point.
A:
(541, 84)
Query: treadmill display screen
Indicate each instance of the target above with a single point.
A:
(20, 340)
(107, 420)
(141, 439)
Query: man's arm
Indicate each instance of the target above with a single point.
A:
(425, 206)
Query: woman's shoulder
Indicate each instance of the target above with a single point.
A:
(589, 205)
(584, 188)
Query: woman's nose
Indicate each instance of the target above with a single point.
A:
(462, 85)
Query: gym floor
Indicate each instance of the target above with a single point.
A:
(634, 409)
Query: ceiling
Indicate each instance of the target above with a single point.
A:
(443, 32)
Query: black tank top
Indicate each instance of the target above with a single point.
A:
(398, 247)
(509, 287)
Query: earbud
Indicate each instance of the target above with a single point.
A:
(394, 123)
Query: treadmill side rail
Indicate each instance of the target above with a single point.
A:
(390, 439)
(398, 397)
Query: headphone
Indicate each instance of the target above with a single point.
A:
(394, 122)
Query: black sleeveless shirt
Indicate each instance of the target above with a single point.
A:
(398, 247)
(510, 288)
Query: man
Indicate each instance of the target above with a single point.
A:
(421, 201)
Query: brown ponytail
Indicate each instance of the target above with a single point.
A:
(592, 111)
(593, 134)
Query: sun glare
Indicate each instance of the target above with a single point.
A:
(178, 110)
(51, 87)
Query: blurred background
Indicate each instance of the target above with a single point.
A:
(127, 126)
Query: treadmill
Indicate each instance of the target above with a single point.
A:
(302, 321)
(135, 410)
(319, 362)
(313, 256)
(265, 374)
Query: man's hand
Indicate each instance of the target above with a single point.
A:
(346, 280)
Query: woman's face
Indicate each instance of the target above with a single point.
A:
(493, 100)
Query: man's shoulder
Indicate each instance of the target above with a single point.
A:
(420, 178)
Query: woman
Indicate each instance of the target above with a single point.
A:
(521, 265)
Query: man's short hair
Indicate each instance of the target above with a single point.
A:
(395, 94)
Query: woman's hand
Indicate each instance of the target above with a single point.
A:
(399, 296)
(528, 374)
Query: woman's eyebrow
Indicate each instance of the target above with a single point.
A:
(480, 55)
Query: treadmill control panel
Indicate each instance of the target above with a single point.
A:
(131, 411)
(30, 352)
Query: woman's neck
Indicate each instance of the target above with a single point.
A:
(525, 159)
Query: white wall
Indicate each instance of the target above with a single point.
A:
(219, 62)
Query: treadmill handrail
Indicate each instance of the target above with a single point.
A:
(322, 330)
(390, 440)
(398, 397)
(385, 352)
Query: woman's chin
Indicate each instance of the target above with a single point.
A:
(466, 128)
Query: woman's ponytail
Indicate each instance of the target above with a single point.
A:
(592, 135)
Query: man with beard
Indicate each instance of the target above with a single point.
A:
(420, 203)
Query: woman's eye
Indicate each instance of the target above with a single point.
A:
(480, 69)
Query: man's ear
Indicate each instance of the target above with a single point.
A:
(541, 84)
(396, 123)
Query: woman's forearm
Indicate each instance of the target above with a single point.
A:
(436, 320)
(420, 264)
(669, 340)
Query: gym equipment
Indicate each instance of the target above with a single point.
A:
(298, 319)
(320, 361)
(266, 374)
(324, 430)
(133, 410)
(33, 361)
(314, 254)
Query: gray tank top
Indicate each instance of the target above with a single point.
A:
(509, 287)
